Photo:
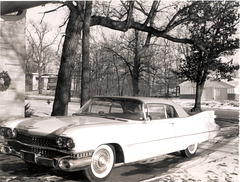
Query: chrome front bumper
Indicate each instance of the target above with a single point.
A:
(66, 163)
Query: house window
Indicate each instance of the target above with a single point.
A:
(217, 92)
(230, 91)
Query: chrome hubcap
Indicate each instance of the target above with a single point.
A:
(101, 161)
(192, 148)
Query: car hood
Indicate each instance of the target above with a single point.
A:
(57, 125)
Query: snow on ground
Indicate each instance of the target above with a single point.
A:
(42, 105)
(225, 104)
(219, 164)
(218, 167)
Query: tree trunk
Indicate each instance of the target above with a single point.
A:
(73, 35)
(198, 96)
(202, 77)
(118, 77)
(136, 66)
(40, 75)
(85, 53)
(39, 83)
(135, 75)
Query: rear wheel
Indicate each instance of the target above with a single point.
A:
(190, 151)
(103, 161)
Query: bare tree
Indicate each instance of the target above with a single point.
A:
(39, 49)
(124, 17)
(73, 32)
(69, 52)
(86, 7)
(133, 53)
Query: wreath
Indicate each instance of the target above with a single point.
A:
(5, 81)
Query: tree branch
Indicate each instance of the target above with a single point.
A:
(173, 23)
(50, 11)
(121, 26)
(129, 14)
(152, 13)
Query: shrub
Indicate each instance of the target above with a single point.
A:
(28, 112)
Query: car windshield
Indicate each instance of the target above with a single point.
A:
(113, 108)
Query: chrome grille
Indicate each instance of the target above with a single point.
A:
(36, 140)
(48, 153)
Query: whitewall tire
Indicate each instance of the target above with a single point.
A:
(103, 161)
(190, 151)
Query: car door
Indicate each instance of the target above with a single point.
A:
(158, 132)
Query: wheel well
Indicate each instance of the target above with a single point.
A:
(119, 152)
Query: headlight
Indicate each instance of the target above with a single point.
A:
(8, 132)
(60, 142)
(14, 133)
(70, 144)
(11, 133)
(2, 131)
(63, 142)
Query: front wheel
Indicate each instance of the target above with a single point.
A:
(190, 151)
(103, 161)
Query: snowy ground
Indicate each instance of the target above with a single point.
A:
(42, 105)
(219, 165)
(225, 104)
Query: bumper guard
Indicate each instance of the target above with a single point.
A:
(66, 163)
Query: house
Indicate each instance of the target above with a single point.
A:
(12, 54)
(213, 90)
(233, 93)
(48, 83)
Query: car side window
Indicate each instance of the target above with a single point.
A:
(171, 112)
(100, 106)
(116, 108)
(156, 111)
(161, 111)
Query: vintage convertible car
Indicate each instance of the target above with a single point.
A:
(107, 131)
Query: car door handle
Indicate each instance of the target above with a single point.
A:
(171, 124)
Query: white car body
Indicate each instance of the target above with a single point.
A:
(132, 139)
